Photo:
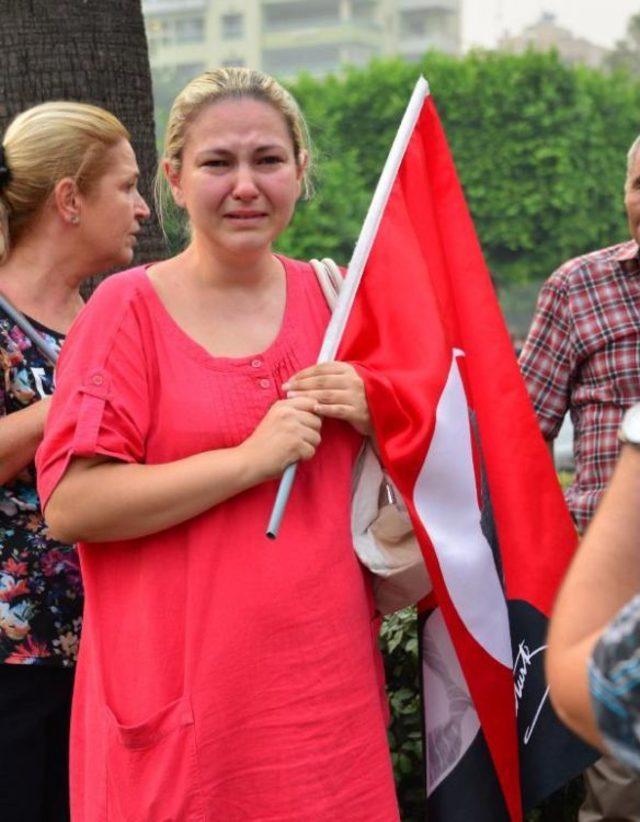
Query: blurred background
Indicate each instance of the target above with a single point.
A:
(540, 101)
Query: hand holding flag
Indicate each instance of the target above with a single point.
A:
(458, 436)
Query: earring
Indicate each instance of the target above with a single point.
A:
(74, 219)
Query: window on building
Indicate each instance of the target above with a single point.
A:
(363, 11)
(187, 71)
(156, 31)
(171, 31)
(150, 7)
(300, 14)
(169, 80)
(414, 23)
(289, 61)
(232, 26)
(189, 30)
(433, 23)
(230, 62)
(153, 27)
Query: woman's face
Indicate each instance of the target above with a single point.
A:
(111, 212)
(239, 180)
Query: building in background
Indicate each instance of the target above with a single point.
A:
(546, 34)
(284, 37)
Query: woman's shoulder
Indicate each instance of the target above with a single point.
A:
(294, 265)
(117, 296)
(304, 270)
(305, 266)
(115, 308)
(125, 285)
(316, 285)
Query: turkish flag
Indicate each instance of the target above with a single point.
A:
(460, 440)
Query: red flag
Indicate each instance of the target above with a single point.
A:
(460, 440)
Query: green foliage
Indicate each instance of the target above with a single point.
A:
(626, 53)
(176, 227)
(399, 642)
(312, 232)
(565, 478)
(539, 146)
(518, 300)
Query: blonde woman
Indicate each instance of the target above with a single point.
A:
(221, 676)
(69, 208)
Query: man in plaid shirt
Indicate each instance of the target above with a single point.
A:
(582, 355)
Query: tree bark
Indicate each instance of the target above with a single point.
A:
(90, 51)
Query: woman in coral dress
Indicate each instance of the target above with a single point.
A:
(221, 676)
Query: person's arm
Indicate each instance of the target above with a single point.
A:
(604, 575)
(20, 435)
(547, 359)
(100, 500)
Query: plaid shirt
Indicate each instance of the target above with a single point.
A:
(582, 355)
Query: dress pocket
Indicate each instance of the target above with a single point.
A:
(152, 768)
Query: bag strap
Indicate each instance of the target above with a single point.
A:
(23, 323)
(330, 279)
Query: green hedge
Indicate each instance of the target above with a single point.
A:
(540, 148)
(399, 643)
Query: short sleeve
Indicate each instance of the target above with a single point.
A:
(547, 358)
(101, 402)
(614, 683)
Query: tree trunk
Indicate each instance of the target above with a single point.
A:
(90, 51)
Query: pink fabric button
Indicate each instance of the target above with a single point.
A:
(256, 363)
(265, 383)
(97, 380)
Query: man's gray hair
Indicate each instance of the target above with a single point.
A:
(631, 156)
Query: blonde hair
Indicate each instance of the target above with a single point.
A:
(42, 146)
(222, 84)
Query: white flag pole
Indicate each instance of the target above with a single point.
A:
(361, 252)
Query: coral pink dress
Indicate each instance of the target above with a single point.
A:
(221, 676)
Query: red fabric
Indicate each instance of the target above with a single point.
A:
(221, 676)
(425, 292)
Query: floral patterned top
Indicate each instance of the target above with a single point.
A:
(614, 683)
(40, 588)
